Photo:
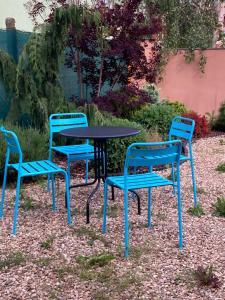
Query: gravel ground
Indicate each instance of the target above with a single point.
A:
(44, 260)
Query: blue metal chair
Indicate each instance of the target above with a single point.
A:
(26, 169)
(146, 155)
(183, 128)
(83, 151)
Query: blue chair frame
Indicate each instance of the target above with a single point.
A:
(183, 128)
(146, 155)
(85, 151)
(26, 169)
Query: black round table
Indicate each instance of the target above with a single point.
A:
(100, 135)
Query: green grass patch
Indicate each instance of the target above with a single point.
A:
(13, 259)
(200, 190)
(92, 235)
(112, 211)
(47, 244)
(99, 260)
(64, 270)
(196, 210)
(221, 168)
(206, 277)
(221, 142)
(44, 261)
(219, 207)
(27, 203)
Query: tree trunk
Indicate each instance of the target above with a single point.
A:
(79, 75)
(100, 77)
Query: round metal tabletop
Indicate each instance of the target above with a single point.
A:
(100, 132)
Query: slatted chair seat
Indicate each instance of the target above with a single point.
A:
(80, 149)
(139, 181)
(39, 167)
(184, 157)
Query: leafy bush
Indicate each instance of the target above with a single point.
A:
(202, 127)
(123, 103)
(178, 107)
(219, 207)
(117, 147)
(156, 116)
(34, 144)
(220, 121)
(152, 92)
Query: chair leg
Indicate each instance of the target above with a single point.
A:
(179, 202)
(105, 207)
(16, 207)
(69, 218)
(68, 169)
(54, 207)
(86, 171)
(3, 191)
(149, 207)
(193, 182)
(173, 178)
(48, 183)
(126, 224)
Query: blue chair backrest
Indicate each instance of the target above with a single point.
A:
(12, 142)
(60, 122)
(182, 128)
(153, 154)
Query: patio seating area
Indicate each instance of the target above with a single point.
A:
(78, 262)
(112, 150)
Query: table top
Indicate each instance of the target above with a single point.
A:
(100, 132)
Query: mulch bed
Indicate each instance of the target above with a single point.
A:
(50, 260)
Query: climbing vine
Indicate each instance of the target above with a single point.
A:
(38, 90)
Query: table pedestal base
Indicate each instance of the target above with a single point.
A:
(101, 173)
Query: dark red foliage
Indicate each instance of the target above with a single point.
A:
(202, 127)
(123, 103)
(124, 55)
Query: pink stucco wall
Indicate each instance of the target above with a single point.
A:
(199, 92)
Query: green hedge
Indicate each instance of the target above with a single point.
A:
(34, 144)
(156, 116)
(117, 147)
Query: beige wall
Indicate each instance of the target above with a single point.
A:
(199, 92)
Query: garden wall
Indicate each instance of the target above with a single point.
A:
(201, 92)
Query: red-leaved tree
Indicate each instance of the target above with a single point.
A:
(115, 51)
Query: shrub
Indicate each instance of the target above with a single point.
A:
(178, 107)
(117, 147)
(219, 207)
(206, 277)
(123, 103)
(152, 92)
(34, 144)
(202, 127)
(196, 210)
(158, 116)
(221, 168)
(220, 121)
